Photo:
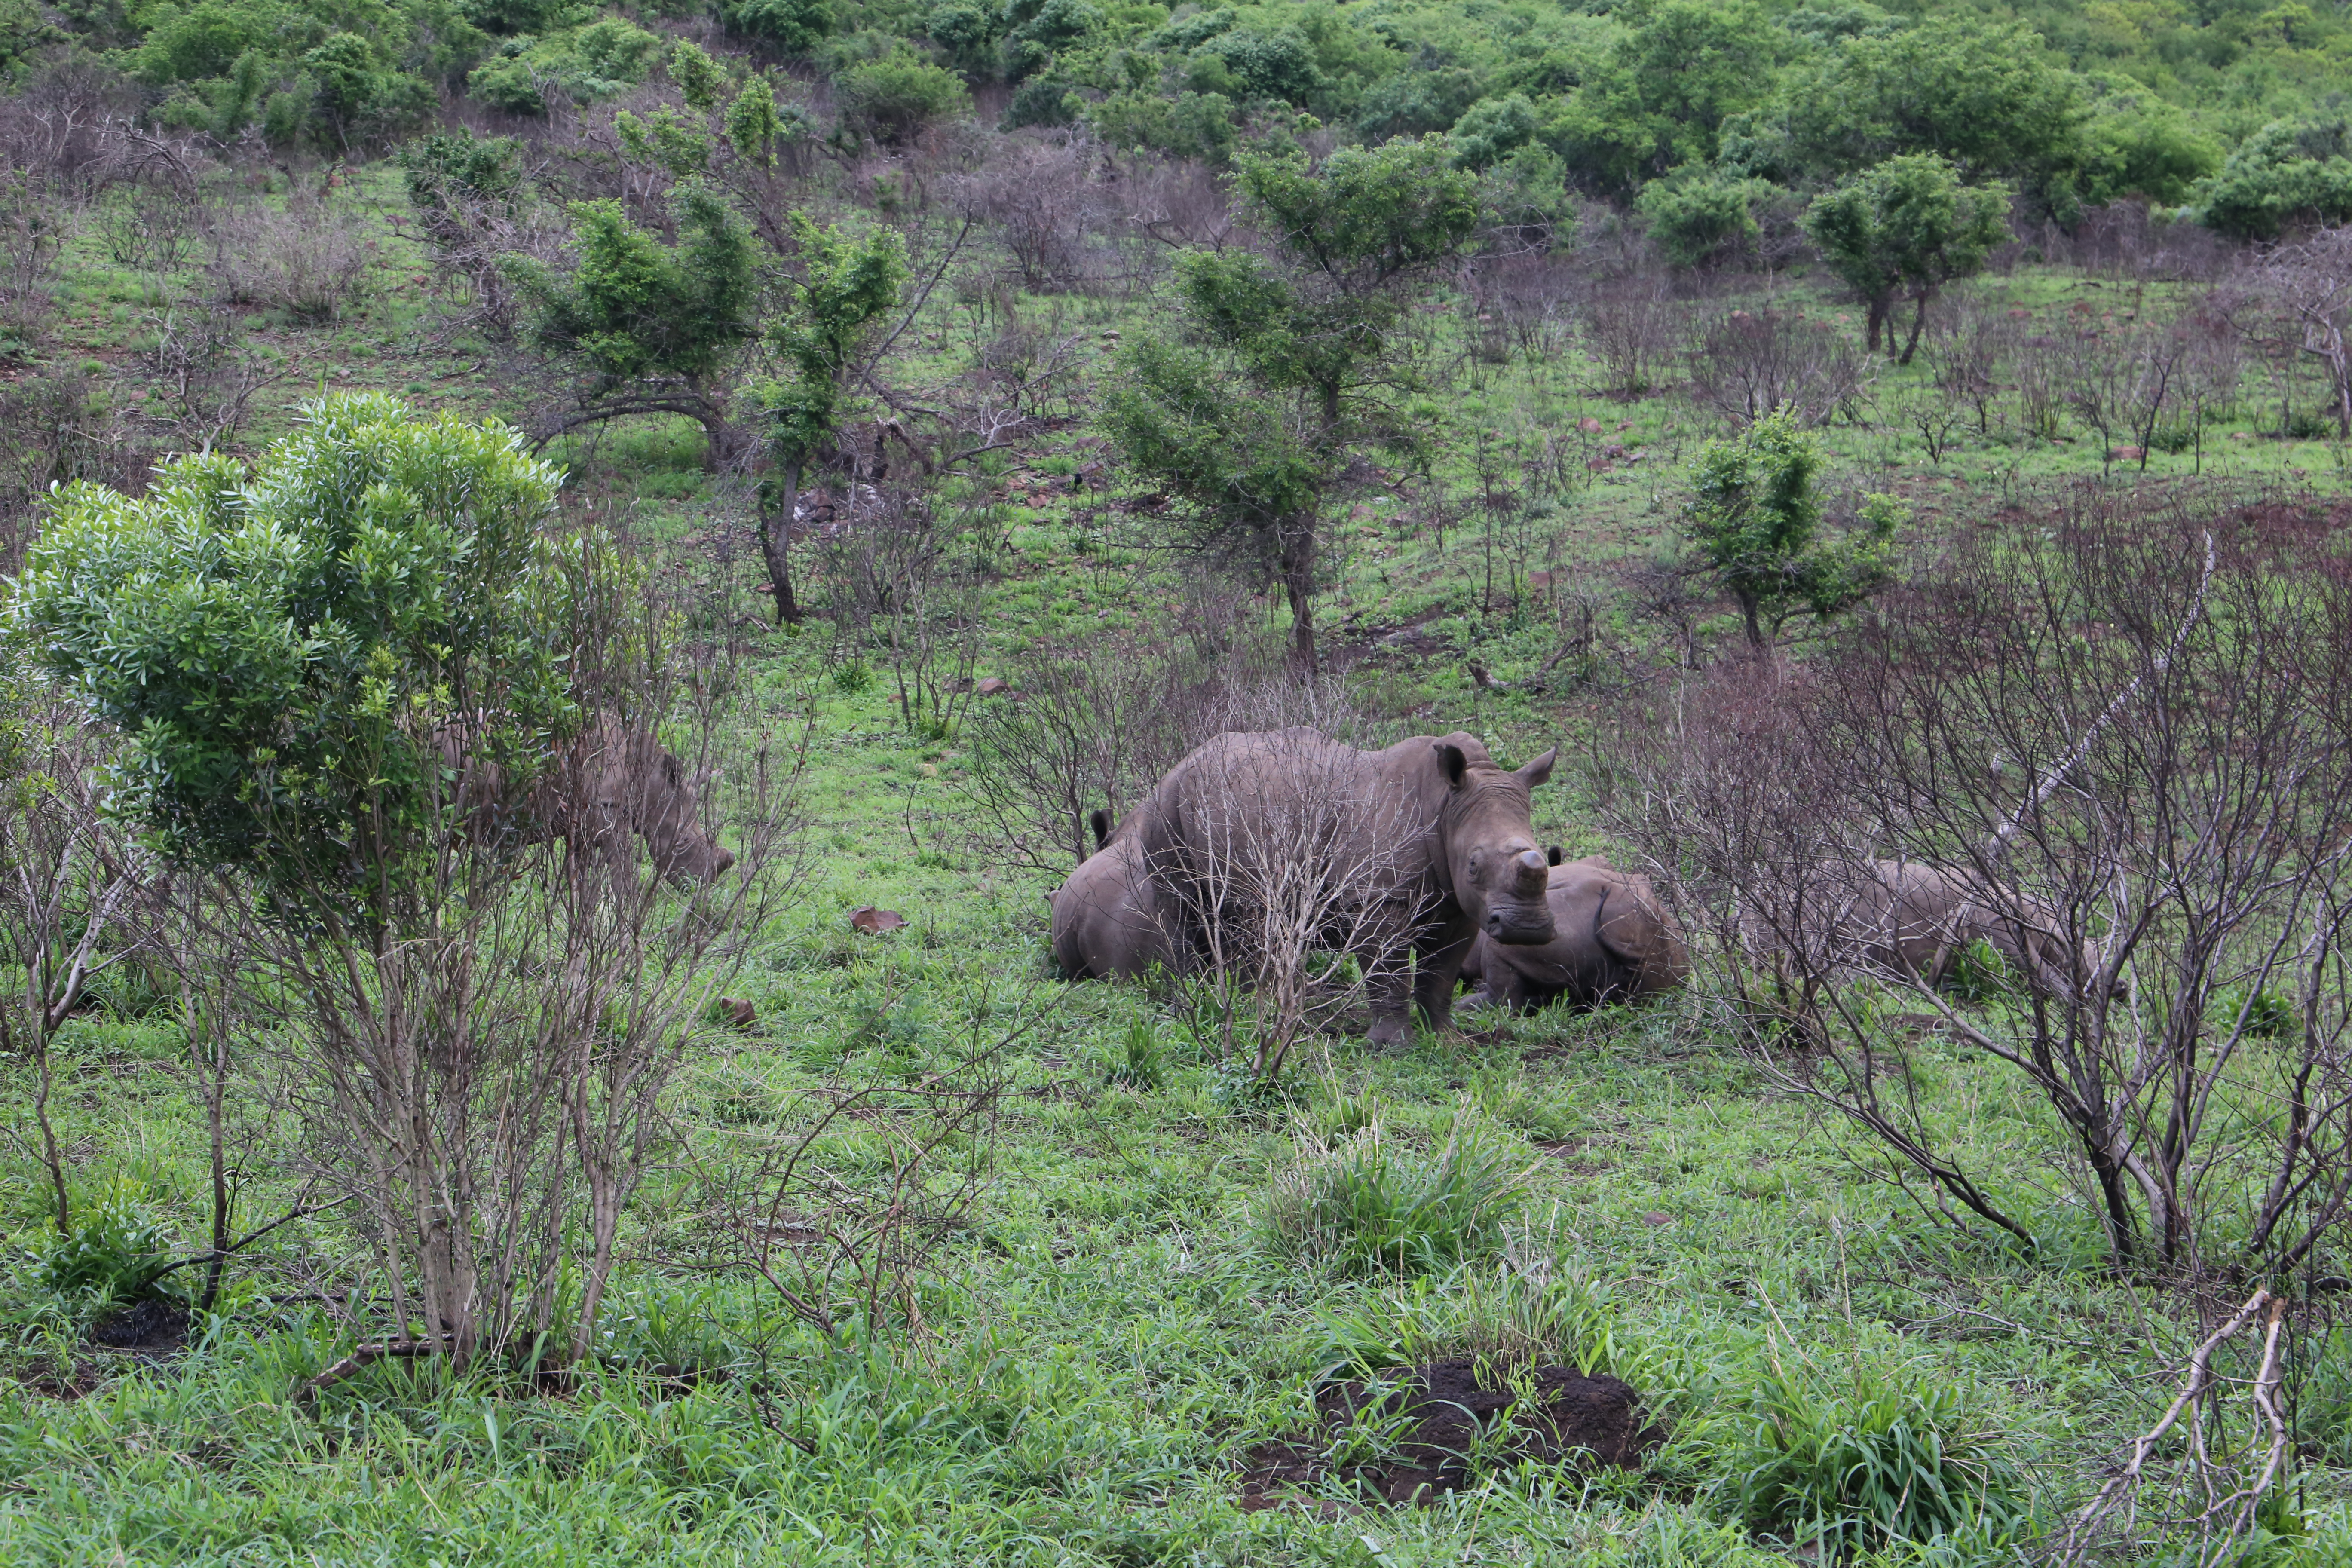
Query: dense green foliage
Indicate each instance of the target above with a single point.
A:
(1755, 517)
(279, 646)
(2073, 104)
(1252, 427)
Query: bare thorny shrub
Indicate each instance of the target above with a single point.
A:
(1038, 196)
(1091, 727)
(208, 372)
(1745, 363)
(481, 1070)
(901, 581)
(69, 877)
(2118, 739)
(842, 1200)
(1633, 326)
(310, 258)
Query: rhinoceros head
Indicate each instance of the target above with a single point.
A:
(1500, 874)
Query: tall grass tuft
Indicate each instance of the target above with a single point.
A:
(1872, 1464)
(1367, 1206)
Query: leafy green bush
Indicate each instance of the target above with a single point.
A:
(1367, 1206)
(603, 59)
(2288, 172)
(795, 27)
(1702, 216)
(1871, 1464)
(2269, 1015)
(113, 1252)
(893, 100)
(276, 643)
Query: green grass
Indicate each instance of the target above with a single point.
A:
(1156, 1274)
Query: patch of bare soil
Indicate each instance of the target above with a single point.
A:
(148, 1327)
(1436, 1418)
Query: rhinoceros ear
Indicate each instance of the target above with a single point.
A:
(1100, 820)
(1456, 765)
(1539, 769)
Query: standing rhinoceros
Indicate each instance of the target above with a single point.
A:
(1615, 943)
(1431, 839)
(604, 785)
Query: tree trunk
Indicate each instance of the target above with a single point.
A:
(1877, 324)
(775, 545)
(1299, 586)
(1918, 325)
(1749, 607)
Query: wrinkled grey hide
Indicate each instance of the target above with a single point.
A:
(607, 782)
(1913, 920)
(1445, 828)
(1615, 943)
(1106, 917)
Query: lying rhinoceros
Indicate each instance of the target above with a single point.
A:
(1107, 916)
(1615, 943)
(1430, 830)
(1915, 921)
(607, 782)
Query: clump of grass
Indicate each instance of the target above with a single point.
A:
(113, 1253)
(1870, 1463)
(1523, 1311)
(2268, 1015)
(1366, 1205)
(1980, 974)
(1142, 1062)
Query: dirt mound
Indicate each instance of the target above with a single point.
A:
(1431, 1421)
(151, 1327)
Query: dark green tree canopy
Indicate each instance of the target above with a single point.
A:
(1906, 228)
(1250, 422)
(634, 307)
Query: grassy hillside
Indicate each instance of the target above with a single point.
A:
(1085, 1278)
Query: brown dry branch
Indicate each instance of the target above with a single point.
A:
(2230, 1485)
(2310, 287)
(2102, 788)
(1745, 363)
(70, 881)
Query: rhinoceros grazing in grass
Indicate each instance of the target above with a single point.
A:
(606, 784)
(1915, 921)
(1613, 942)
(1418, 847)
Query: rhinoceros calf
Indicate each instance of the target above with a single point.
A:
(610, 782)
(1431, 832)
(1107, 915)
(1615, 943)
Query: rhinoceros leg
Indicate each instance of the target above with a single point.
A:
(1440, 970)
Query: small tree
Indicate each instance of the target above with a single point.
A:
(1757, 521)
(657, 326)
(318, 669)
(1906, 228)
(845, 285)
(1251, 423)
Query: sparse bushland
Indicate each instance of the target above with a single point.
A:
(903, 1249)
